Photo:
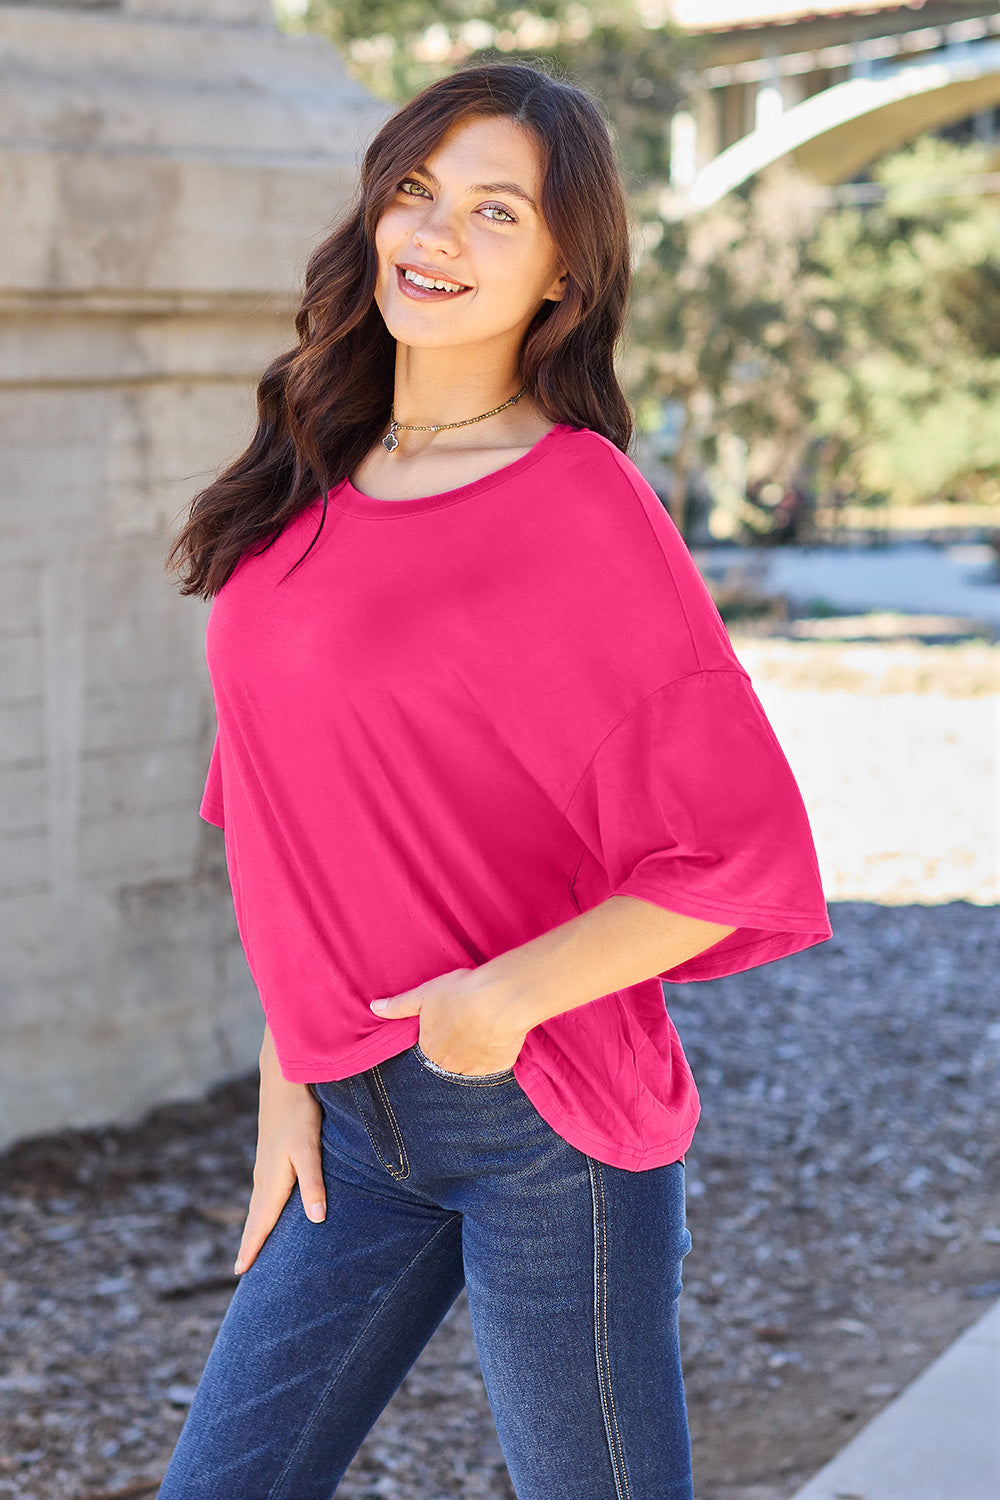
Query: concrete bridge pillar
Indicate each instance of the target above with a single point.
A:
(165, 168)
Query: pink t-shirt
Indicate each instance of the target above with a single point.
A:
(463, 720)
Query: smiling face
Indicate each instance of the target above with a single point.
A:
(470, 215)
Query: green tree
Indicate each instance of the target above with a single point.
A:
(913, 281)
(730, 319)
(856, 346)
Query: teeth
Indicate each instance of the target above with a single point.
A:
(444, 286)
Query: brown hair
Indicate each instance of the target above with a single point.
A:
(322, 405)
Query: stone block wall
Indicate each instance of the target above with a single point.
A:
(162, 180)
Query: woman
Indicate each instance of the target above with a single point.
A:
(488, 771)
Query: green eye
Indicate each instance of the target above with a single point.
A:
(490, 208)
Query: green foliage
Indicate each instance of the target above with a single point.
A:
(859, 346)
(914, 284)
(396, 47)
(730, 318)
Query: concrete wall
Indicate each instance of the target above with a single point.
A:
(162, 180)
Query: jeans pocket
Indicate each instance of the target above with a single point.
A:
(379, 1119)
(469, 1079)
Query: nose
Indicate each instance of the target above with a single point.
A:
(437, 230)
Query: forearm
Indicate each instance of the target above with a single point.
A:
(616, 944)
(268, 1056)
(271, 1077)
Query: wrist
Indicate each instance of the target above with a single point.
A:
(510, 1004)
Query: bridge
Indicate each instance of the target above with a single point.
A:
(829, 93)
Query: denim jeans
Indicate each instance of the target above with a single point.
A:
(436, 1179)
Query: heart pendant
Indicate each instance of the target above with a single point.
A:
(390, 442)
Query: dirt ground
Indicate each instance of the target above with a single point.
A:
(842, 1200)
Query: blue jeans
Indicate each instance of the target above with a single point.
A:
(436, 1179)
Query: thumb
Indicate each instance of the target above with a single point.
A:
(391, 1007)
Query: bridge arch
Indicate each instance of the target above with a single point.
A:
(836, 133)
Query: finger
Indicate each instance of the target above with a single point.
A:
(394, 1006)
(309, 1171)
(265, 1208)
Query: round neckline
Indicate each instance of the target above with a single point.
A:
(347, 498)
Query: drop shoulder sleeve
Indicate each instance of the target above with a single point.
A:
(690, 803)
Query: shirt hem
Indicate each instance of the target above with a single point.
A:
(212, 813)
(375, 1049)
(610, 1153)
(791, 919)
(710, 965)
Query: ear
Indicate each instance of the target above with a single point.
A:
(557, 290)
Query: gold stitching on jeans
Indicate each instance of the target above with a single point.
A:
(404, 1165)
(601, 1330)
(394, 1171)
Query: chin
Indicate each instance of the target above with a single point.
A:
(418, 334)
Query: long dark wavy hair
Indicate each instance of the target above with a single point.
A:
(323, 405)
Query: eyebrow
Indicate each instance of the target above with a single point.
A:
(513, 188)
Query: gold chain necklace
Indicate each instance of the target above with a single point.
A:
(390, 442)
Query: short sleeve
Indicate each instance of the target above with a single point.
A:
(690, 803)
(211, 802)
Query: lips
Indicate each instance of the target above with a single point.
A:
(423, 293)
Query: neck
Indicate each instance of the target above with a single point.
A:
(431, 388)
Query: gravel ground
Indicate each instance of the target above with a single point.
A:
(842, 1186)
